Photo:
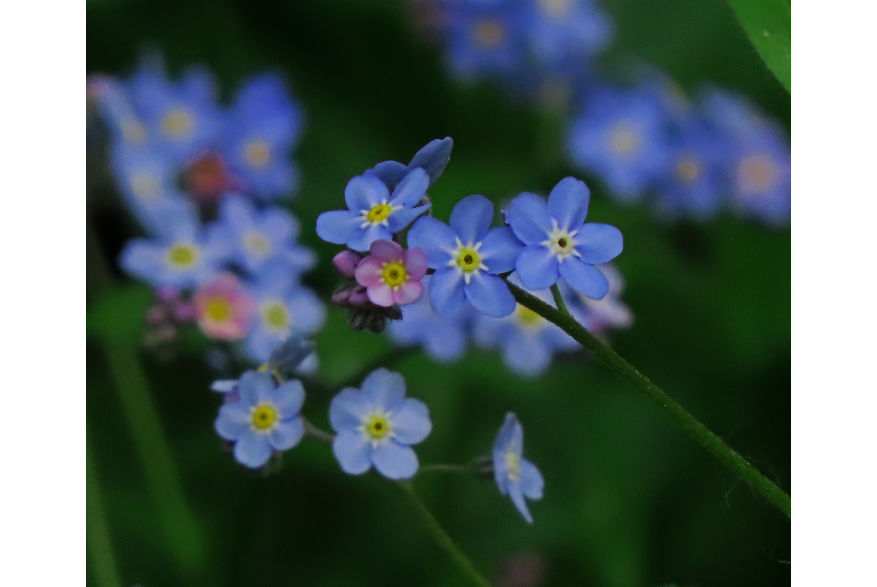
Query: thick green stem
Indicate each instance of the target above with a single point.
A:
(96, 531)
(441, 537)
(761, 484)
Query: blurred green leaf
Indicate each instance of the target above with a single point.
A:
(118, 314)
(768, 23)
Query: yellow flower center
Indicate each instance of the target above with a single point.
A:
(378, 213)
(256, 243)
(144, 185)
(182, 256)
(176, 123)
(623, 140)
(133, 132)
(687, 169)
(527, 317)
(217, 309)
(756, 173)
(555, 8)
(512, 465)
(488, 33)
(257, 152)
(394, 274)
(263, 416)
(275, 316)
(376, 426)
(467, 259)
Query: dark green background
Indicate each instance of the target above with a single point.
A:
(629, 499)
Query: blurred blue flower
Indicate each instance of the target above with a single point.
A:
(443, 339)
(620, 136)
(527, 340)
(558, 243)
(373, 213)
(180, 255)
(604, 314)
(125, 126)
(562, 31)
(467, 256)
(262, 126)
(376, 426)
(260, 237)
(759, 166)
(263, 419)
(432, 158)
(515, 476)
(285, 309)
(484, 39)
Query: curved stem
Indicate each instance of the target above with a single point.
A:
(761, 484)
(445, 468)
(441, 537)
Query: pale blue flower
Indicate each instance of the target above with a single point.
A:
(515, 476)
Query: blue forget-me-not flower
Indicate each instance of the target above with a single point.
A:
(467, 257)
(376, 426)
(515, 476)
(373, 213)
(263, 419)
(558, 243)
(432, 158)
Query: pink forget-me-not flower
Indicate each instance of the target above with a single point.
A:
(392, 275)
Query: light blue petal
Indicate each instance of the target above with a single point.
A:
(287, 434)
(363, 192)
(517, 495)
(279, 226)
(510, 436)
(598, 243)
(252, 450)
(352, 451)
(444, 344)
(384, 389)
(446, 293)
(402, 218)
(500, 249)
(338, 226)
(288, 398)
(233, 421)
(433, 157)
(568, 203)
(531, 480)
(237, 212)
(471, 217)
(490, 295)
(395, 461)
(260, 344)
(306, 312)
(537, 267)
(223, 385)
(528, 216)
(347, 409)
(248, 384)
(411, 189)
(436, 239)
(143, 259)
(390, 172)
(363, 238)
(526, 354)
(411, 422)
(263, 386)
(585, 279)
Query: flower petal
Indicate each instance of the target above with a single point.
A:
(471, 217)
(415, 262)
(395, 461)
(411, 423)
(433, 157)
(338, 226)
(352, 451)
(369, 271)
(402, 218)
(436, 239)
(599, 243)
(380, 294)
(233, 421)
(526, 354)
(517, 495)
(584, 278)
(347, 409)
(568, 203)
(500, 249)
(537, 267)
(288, 398)
(252, 450)
(490, 295)
(528, 216)
(446, 293)
(390, 172)
(386, 250)
(510, 436)
(384, 389)
(531, 480)
(287, 434)
(365, 191)
(408, 293)
(364, 237)
(411, 189)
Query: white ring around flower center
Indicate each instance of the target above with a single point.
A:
(378, 214)
(466, 259)
(376, 427)
(512, 465)
(561, 242)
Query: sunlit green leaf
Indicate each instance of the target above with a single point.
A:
(769, 26)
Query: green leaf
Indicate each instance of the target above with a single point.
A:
(118, 314)
(768, 23)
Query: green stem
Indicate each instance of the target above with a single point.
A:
(441, 537)
(761, 484)
(558, 299)
(97, 533)
(443, 468)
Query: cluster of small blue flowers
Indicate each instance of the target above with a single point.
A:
(375, 426)
(198, 178)
(647, 138)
